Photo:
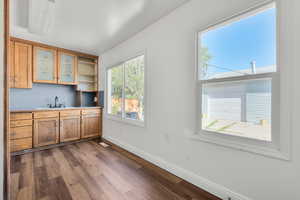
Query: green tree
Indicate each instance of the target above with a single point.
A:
(134, 76)
(134, 83)
(205, 57)
(116, 86)
(117, 81)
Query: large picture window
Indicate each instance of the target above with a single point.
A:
(238, 78)
(125, 90)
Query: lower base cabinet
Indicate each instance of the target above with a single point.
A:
(20, 131)
(90, 126)
(21, 138)
(69, 128)
(53, 127)
(46, 131)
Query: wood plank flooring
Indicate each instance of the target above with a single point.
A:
(87, 171)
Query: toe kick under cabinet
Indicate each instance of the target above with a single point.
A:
(34, 129)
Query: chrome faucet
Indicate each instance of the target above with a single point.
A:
(56, 102)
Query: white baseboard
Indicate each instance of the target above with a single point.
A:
(211, 187)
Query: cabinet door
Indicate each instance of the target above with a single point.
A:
(67, 69)
(69, 128)
(90, 126)
(46, 131)
(44, 65)
(21, 66)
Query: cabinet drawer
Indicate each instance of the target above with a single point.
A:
(21, 132)
(47, 114)
(91, 111)
(20, 116)
(20, 123)
(20, 144)
(66, 113)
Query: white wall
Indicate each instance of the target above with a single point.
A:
(170, 46)
(1, 95)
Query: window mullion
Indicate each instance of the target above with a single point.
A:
(123, 92)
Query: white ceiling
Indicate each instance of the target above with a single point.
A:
(91, 26)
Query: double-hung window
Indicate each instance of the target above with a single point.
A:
(125, 90)
(238, 81)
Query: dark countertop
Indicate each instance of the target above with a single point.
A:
(51, 109)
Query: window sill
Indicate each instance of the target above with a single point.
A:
(125, 121)
(242, 146)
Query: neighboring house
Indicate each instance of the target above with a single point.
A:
(242, 101)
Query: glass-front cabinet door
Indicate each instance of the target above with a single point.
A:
(44, 65)
(67, 68)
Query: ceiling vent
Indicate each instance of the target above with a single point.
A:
(41, 16)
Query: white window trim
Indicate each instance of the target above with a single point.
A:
(122, 119)
(280, 146)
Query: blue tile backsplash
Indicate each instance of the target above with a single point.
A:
(40, 95)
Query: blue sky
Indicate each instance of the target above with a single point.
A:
(236, 45)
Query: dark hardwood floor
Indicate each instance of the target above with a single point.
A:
(87, 171)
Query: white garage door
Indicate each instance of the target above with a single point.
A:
(225, 108)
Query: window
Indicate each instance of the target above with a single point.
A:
(238, 78)
(115, 88)
(125, 90)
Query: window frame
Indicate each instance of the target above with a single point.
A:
(123, 118)
(279, 147)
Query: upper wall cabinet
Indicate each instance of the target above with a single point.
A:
(40, 63)
(67, 68)
(87, 75)
(44, 65)
(20, 63)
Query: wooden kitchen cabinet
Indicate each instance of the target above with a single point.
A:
(52, 67)
(11, 64)
(87, 75)
(32, 62)
(69, 125)
(20, 70)
(20, 131)
(46, 130)
(44, 65)
(67, 68)
(38, 128)
(91, 124)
